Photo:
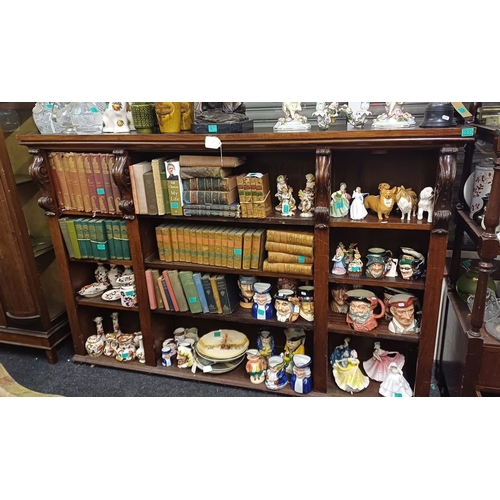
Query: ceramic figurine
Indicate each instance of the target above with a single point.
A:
(117, 118)
(426, 204)
(94, 345)
(114, 273)
(406, 201)
(306, 197)
(293, 120)
(339, 260)
(110, 345)
(361, 314)
(383, 203)
(295, 339)
(411, 264)
(179, 335)
(355, 266)
(126, 347)
(167, 357)
(265, 344)
(116, 324)
(357, 210)
(245, 284)
(184, 356)
(256, 366)
(395, 385)
(326, 114)
(101, 274)
(378, 262)
(357, 118)
(377, 367)
(348, 375)
(301, 381)
(281, 188)
(262, 307)
(394, 117)
(338, 294)
(287, 202)
(402, 309)
(276, 377)
(139, 353)
(306, 296)
(286, 305)
(341, 352)
(339, 204)
(289, 284)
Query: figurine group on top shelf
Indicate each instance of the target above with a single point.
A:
(384, 367)
(356, 113)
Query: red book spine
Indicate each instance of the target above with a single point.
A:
(170, 289)
(110, 201)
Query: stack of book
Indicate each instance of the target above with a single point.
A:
(84, 182)
(289, 252)
(209, 185)
(183, 291)
(94, 238)
(255, 195)
(221, 246)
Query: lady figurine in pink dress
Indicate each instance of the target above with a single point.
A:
(377, 367)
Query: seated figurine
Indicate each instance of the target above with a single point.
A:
(293, 120)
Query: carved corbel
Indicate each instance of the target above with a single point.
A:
(444, 189)
(322, 196)
(121, 176)
(39, 173)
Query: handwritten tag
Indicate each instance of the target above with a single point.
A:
(212, 142)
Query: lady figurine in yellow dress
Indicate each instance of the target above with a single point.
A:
(348, 375)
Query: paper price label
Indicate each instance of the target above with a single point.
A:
(467, 132)
(212, 142)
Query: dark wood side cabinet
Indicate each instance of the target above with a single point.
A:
(414, 158)
(469, 357)
(32, 309)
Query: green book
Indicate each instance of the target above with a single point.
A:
(70, 224)
(92, 237)
(101, 239)
(117, 239)
(82, 242)
(124, 240)
(65, 235)
(164, 187)
(149, 189)
(190, 291)
(108, 225)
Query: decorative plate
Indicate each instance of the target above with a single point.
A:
(111, 295)
(209, 360)
(93, 290)
(219, 367)
(469, 189)
(223, 344)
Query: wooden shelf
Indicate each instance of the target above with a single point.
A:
(372, 222)
(383, 282)
(98, 302)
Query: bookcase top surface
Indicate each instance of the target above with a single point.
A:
(337, 136)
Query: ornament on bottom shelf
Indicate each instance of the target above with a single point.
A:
(295, 339)
(348, 375)
(94, 345)
(139, 353)
(395, 385)
(126, 347)
(184, 356)
(377, 367)
(265, 344)
(276, 377)
(301, 381)
(256, 366)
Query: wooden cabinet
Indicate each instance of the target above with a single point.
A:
(469, 357)
(414, 158)
(32, 311)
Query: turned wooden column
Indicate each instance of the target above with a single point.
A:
(487, 250)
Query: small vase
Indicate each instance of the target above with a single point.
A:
(101, 274)
(143, 114)
(95, 343)
(116, 324)
(139, 353)
(126, 348)
(114, 273)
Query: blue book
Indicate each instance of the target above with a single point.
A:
(201, 292)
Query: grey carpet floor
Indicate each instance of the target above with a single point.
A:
(30, 368)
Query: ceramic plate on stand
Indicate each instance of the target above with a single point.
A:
(218, 367)
(222, 345)
(92, 290)
(469, 189)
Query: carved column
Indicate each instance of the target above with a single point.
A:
(321, 262)
(39, 173)
(121, 176)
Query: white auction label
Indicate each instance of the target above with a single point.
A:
(212, 142)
